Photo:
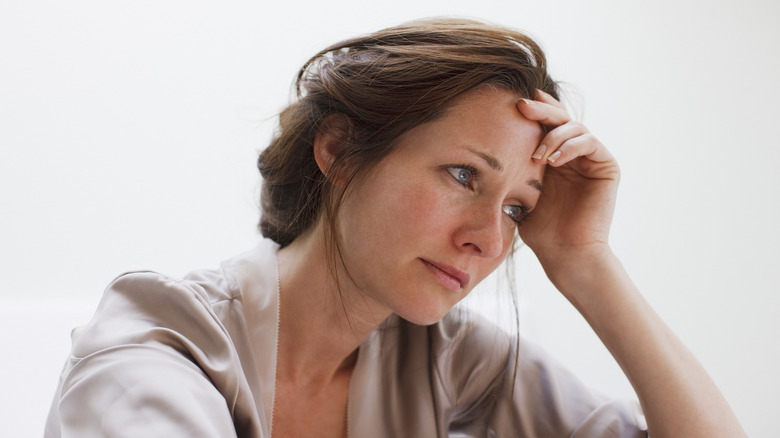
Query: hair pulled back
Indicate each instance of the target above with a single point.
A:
(383, 85)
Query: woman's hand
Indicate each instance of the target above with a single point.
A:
(568, 232)
(574, 213)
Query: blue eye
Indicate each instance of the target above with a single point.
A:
(518, 213)
(463, 174)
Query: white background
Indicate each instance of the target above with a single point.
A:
(129, 132)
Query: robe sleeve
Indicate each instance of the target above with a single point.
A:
(154, 361)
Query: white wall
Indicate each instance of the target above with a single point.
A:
(129, 130)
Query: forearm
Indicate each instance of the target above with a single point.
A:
(676, 393)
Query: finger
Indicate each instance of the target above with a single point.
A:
(546, 114)
(543, 96)
(585, 145)
(557, 136)
(568, 142)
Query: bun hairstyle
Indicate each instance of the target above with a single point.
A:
(379, 86)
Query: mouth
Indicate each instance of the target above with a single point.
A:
(452, 278)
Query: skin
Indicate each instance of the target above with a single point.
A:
(419, 207)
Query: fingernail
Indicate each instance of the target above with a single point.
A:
(528, 101)
(539, 152)
(554, 156)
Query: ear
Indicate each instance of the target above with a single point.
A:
(331, 141)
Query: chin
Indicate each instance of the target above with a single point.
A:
(425, 317)
(425, 322)
(421, 303)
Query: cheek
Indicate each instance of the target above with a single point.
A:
(398, 213)
(419, 211)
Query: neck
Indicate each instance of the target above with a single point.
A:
(321, 325)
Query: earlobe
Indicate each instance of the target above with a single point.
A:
(330, 142)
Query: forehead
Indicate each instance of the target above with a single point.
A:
(490, 105)
(486, 119)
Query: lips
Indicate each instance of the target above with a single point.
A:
(452, 278)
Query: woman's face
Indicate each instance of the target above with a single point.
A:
(438, 215)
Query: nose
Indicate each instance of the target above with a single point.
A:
(482, 232)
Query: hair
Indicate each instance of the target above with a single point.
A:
(381, 85)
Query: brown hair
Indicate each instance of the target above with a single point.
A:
(383, 85)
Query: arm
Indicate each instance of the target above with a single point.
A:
(568, 232)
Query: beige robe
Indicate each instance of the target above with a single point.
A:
(196, 357)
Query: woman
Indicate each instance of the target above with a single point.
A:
(394, 185)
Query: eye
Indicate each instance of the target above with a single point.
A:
(518, 213)
(463, 174)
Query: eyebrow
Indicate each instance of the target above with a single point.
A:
(489, 159)
(495, 164)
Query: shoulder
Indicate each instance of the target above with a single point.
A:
(464, 334)
(156, 343)
(469, 355)
(148, 307)
(506, 383)
(475, 359)
(198, 288)
(143, 306)
(177, 346)
(468, 341)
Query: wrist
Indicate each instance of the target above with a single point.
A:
(580, 270)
